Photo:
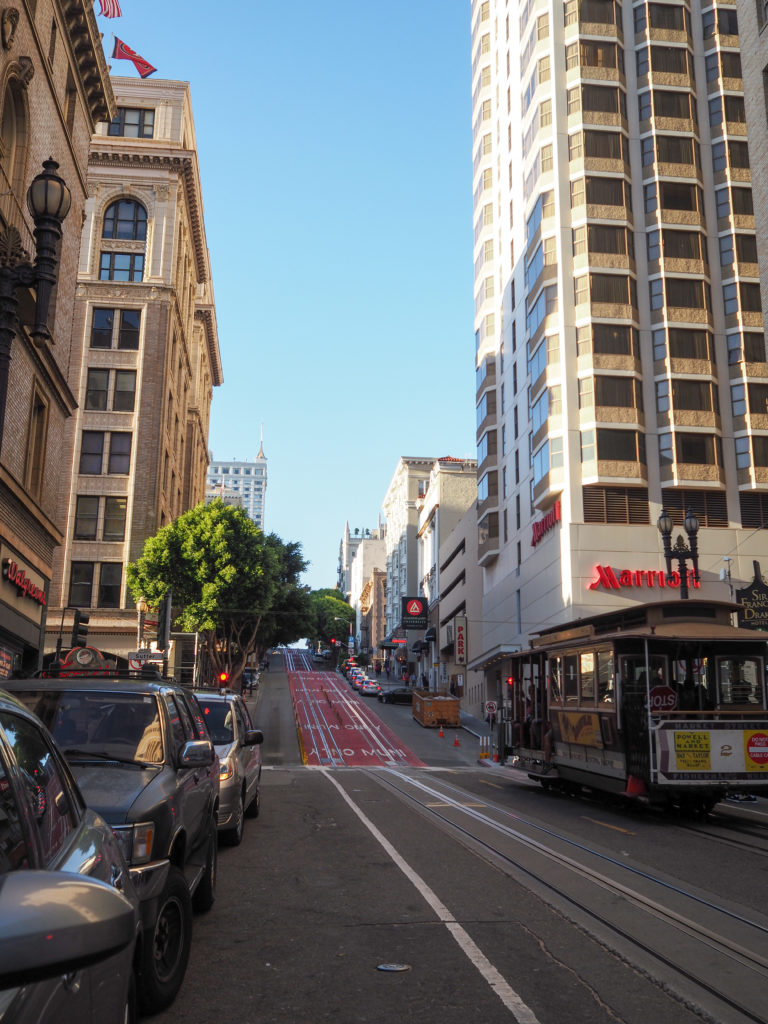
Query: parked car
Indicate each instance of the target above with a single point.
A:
(238, 745)
(66, 942)
(397, 695)
(357, 679)
(143, 759)
(370, 688)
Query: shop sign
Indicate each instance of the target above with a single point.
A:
(414, 613)
(543, 526)
(607, 577)
(753, 599)
(460, 647)
(18, 577)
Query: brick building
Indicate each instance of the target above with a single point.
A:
(145, 319)
(54, 91)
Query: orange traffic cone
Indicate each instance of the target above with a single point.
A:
(441, 731)
(635, 787)
(456, 740)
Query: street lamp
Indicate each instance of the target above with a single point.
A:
(141, 609)
(680, 551)
(48, 201)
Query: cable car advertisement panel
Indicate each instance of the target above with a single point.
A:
(713, 750)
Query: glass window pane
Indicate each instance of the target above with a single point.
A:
(86, 517)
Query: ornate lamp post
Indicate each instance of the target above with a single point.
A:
(48, 201)
(682, 552)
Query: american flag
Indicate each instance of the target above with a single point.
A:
(110, 9)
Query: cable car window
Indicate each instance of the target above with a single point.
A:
(570, 679)
(740, 681)
(605, 681)
(587, 677)
(555, 680)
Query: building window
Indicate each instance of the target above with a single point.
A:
(110, 578)
(125, 219)
(119, 453)
(86, 517)
(96, 389)
(114, 518)
(91, 452)
(121, 266)
(36, 443)
(124, 397)
(133, 123)
(81, 584)
(103, 334)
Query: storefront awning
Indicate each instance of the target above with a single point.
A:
(494, 657)
(430, 635)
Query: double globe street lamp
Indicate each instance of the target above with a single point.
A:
(48, 201)
(682, 552)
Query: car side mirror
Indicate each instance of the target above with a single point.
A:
(197, 754)
(252, 737)
(56, 923)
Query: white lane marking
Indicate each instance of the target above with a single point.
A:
(474, 954)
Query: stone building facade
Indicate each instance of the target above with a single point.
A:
(145, 320)
(54, 92)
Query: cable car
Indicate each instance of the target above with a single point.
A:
(663, 702)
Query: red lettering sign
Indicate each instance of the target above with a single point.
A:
(22, 582)
(606, 577)
(546, 524)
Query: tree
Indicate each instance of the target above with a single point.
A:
(225, 577)
(290, 616)
(333, 616)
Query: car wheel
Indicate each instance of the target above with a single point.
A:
(253, 808)
(205, 894)
(234, 836)
(165, 949)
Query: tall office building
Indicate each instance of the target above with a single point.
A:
(621, 357)
(246, 479)
(147, 356)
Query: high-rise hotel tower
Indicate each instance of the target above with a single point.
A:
(621, 357)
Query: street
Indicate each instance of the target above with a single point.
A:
(459, 891)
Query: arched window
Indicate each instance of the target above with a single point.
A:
(125, 219)
(13, 136)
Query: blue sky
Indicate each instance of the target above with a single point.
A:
(336, 157)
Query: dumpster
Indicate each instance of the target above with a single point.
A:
(434, 709)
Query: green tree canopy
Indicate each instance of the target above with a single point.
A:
(332, 616)
(225, 574)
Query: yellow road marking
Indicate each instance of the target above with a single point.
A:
(495, 785)
(605, 824)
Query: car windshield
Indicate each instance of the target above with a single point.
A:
(218, 718)
(101, 723)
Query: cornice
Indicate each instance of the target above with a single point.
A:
(85, 37)
(206, 317)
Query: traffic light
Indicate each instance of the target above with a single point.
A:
(223, 678)
(333, 642)
(80, 628)
(164, 621)
(510, 681)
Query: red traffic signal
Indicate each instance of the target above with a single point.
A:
(332, 641)
(510, 681)
(223, 678)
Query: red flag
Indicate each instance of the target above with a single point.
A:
(110, 9)
(123, 52)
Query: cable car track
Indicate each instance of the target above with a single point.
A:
(704, 940)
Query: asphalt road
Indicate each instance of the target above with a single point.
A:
(342, 874)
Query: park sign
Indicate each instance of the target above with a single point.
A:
(753, 613)
(414, 613)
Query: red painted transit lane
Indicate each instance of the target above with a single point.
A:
(338, 729)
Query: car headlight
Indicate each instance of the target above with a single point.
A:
(136, 841)
(226, 771)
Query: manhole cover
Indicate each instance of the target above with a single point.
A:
(393, 967)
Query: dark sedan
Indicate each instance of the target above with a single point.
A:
(399, 695)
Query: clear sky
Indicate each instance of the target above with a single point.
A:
(335, 147)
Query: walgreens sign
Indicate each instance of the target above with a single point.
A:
(610, 579)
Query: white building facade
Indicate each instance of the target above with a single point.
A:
(620, 349)
(248, 480)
